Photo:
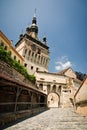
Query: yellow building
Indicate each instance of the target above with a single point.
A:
(7, 44)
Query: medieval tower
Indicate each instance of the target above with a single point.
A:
(34, 51)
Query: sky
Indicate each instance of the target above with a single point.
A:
(63, 22)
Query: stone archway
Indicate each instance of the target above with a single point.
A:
(53, 100)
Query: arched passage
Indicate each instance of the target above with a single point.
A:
(53, 100)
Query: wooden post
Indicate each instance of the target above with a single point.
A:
(17, 95)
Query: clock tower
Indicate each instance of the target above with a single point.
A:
(34, 51)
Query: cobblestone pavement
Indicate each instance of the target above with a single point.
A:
(53, 119)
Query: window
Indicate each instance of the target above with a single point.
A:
(41, 86)
(41, 60)
(18, 61)
(5, 47)
(59, 89)
(14, 57)
(25, 51)
(31, 67)
(25, 65)
(39, 51)
(37, 69)
(38, 57)
(54, 88)
(35, 59)
(2, 44)
(29, 53)
(32, 54)
(65, 91)
(10, 53)
(48, 88)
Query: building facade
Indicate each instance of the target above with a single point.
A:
(60, 87)
(35, 52)
(80, 98)
(7, 44)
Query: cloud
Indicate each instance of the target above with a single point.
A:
(63, 63)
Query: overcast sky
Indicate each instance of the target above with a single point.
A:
(64, 22)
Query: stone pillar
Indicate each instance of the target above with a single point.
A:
(56, 88)
(51, 87)
(40, 60)
(45, 87)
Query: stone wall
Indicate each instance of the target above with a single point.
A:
(18, 96)
(11, 72)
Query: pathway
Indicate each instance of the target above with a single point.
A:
(53, 119)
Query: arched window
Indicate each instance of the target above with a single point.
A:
(39, 59)
(41, 86)
(59, 90)
(32, 56)
(25, 51)
(48, 88)
(54, 88)
(35, 59)
(29, 53)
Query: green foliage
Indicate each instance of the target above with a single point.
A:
(80, 75)
(5, 56)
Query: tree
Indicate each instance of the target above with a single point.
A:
(80, 75)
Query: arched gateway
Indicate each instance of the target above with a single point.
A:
(53, 100)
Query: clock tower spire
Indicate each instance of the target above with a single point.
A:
(34, 51)
(32, 30)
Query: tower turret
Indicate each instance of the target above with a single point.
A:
(32, 30)
(44, 40)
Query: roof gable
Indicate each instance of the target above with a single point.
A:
(68, 72)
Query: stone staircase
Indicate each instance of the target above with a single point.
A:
(53, 119)
(69, 120)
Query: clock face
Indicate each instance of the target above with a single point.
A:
(33, 47)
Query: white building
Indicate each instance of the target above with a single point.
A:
(60, 87)
(35, 52)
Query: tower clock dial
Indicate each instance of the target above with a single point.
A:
(33, 47)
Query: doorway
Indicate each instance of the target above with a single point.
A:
(53, 100)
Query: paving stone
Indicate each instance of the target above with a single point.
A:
(53, 119)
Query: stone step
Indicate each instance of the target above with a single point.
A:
(53, 119)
